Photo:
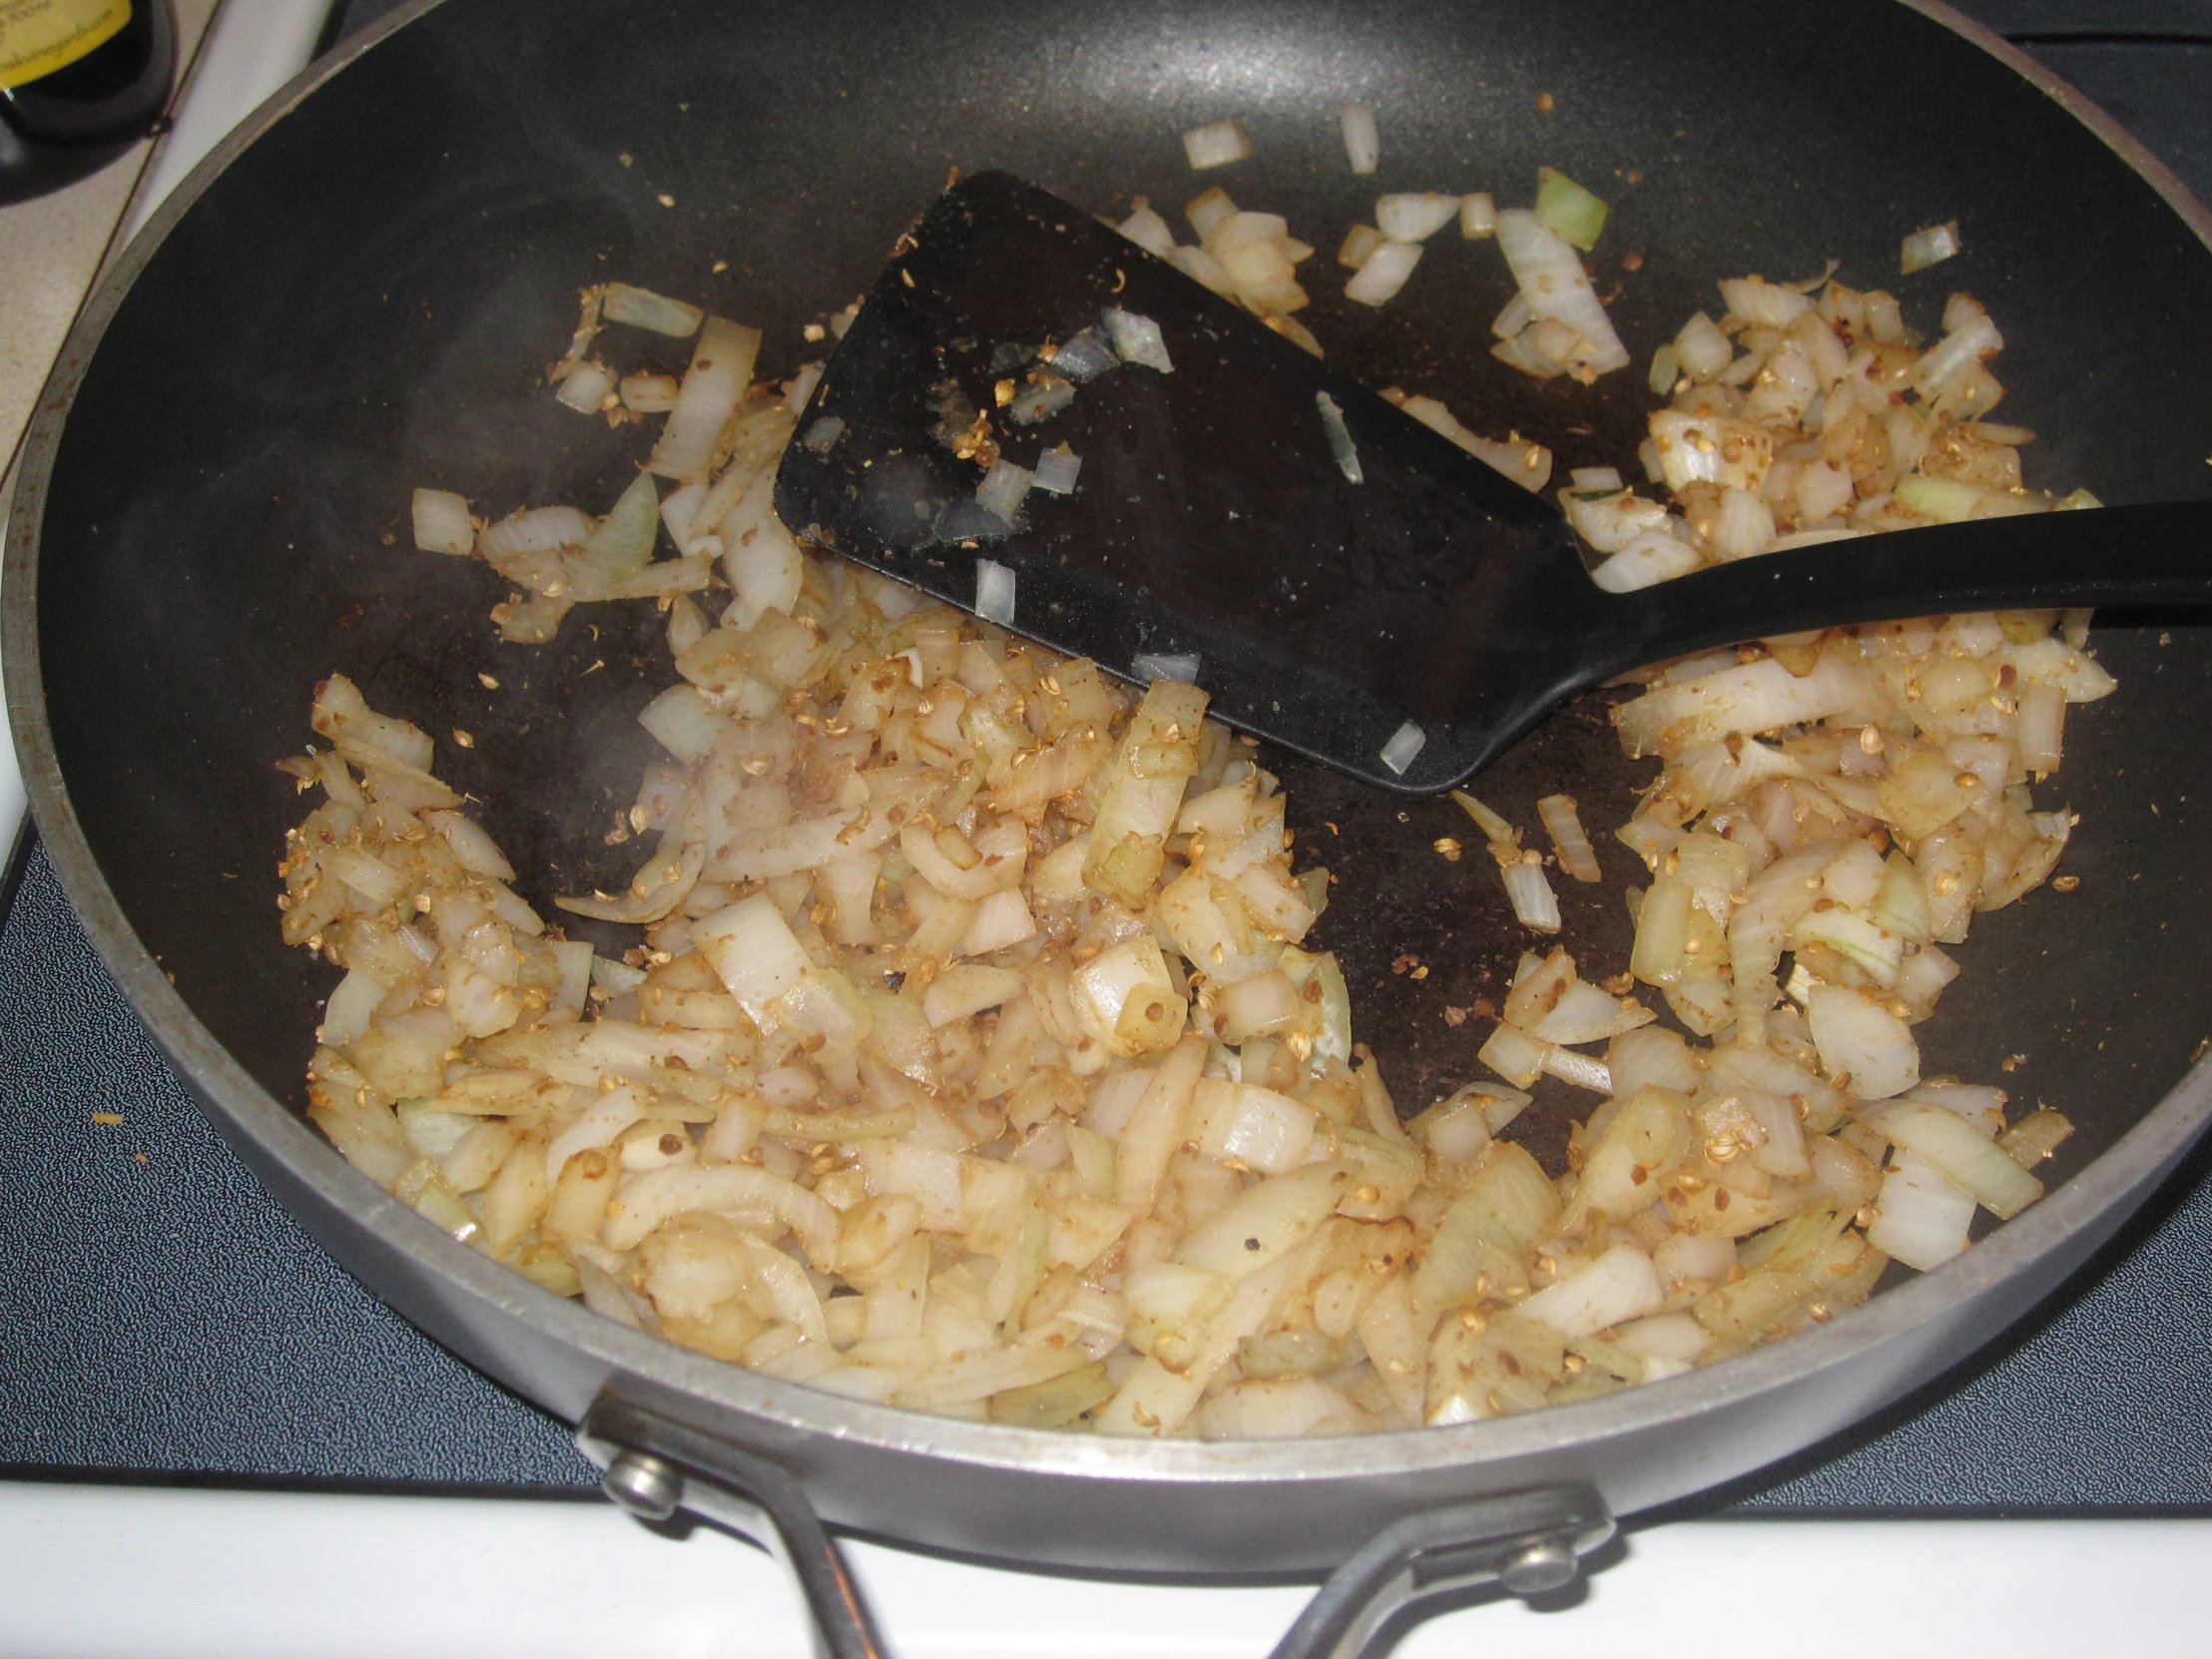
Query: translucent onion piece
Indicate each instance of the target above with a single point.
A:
(1925, 248)
(1406, 742)
(1137, 340)
(1378, 280)
(1619, 1285)
(1414, 216)
(1001, 491)
(587, 387)
(1216, 145)
(1341, 446)
(1557, 288)
(1149, 231)
(1568, 211)
(442, 523)
(1057, 471)
(1564, 824)
(1363, 144)
(643, 308)
(1150, 666)
(1920, 1217)
(720, 367)
(1535, 907)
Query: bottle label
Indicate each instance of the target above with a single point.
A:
(38, 37)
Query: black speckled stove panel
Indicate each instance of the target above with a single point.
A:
(161, 1316)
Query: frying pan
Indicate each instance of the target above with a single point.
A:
(355, 297)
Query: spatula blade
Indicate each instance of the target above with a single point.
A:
(1213, 515)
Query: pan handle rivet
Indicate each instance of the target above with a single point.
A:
(643, 1484)
(1544, 1564)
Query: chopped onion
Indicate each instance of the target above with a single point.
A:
(1149, 231)
(1406, 742)
(1002, 489)
(753, 951)
(1137, 340)
(1955, 352)
(968, 989)
(1384, 272)
(1341, 447)
(1576, 856)
(683, 720)
(1558, 290)
(1619, 1285)
(1493, 827)
(1654, 556)
(1358, 246)
(1209, 211)
(720, 367)
(1763, 305)
(1919, 1217)
(1149, 666)
(800, 391)
(1414, 215)
(1535, 905)
(1363, 144)
(1932, 246)
(1216, 145)
(1965, 1157)
(1568, 211)
(1477, 216)
(442, 524)
(643, 308)
(1056, 471)
(1043, 397)
(1702, 348)
(1865, 1049)
(1084, 357)
(994, 592)
(587, 387)
(649, 393)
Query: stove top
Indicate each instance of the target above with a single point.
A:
(160, 1319)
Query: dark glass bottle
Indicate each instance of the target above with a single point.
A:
(56, 127)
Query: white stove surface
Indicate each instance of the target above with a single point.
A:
(124, 1573)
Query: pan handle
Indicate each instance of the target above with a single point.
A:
(1527, 1542)
(654, 1466)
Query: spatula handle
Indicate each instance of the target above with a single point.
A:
(2143, 555)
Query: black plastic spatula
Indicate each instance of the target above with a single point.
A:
(1214, 514)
